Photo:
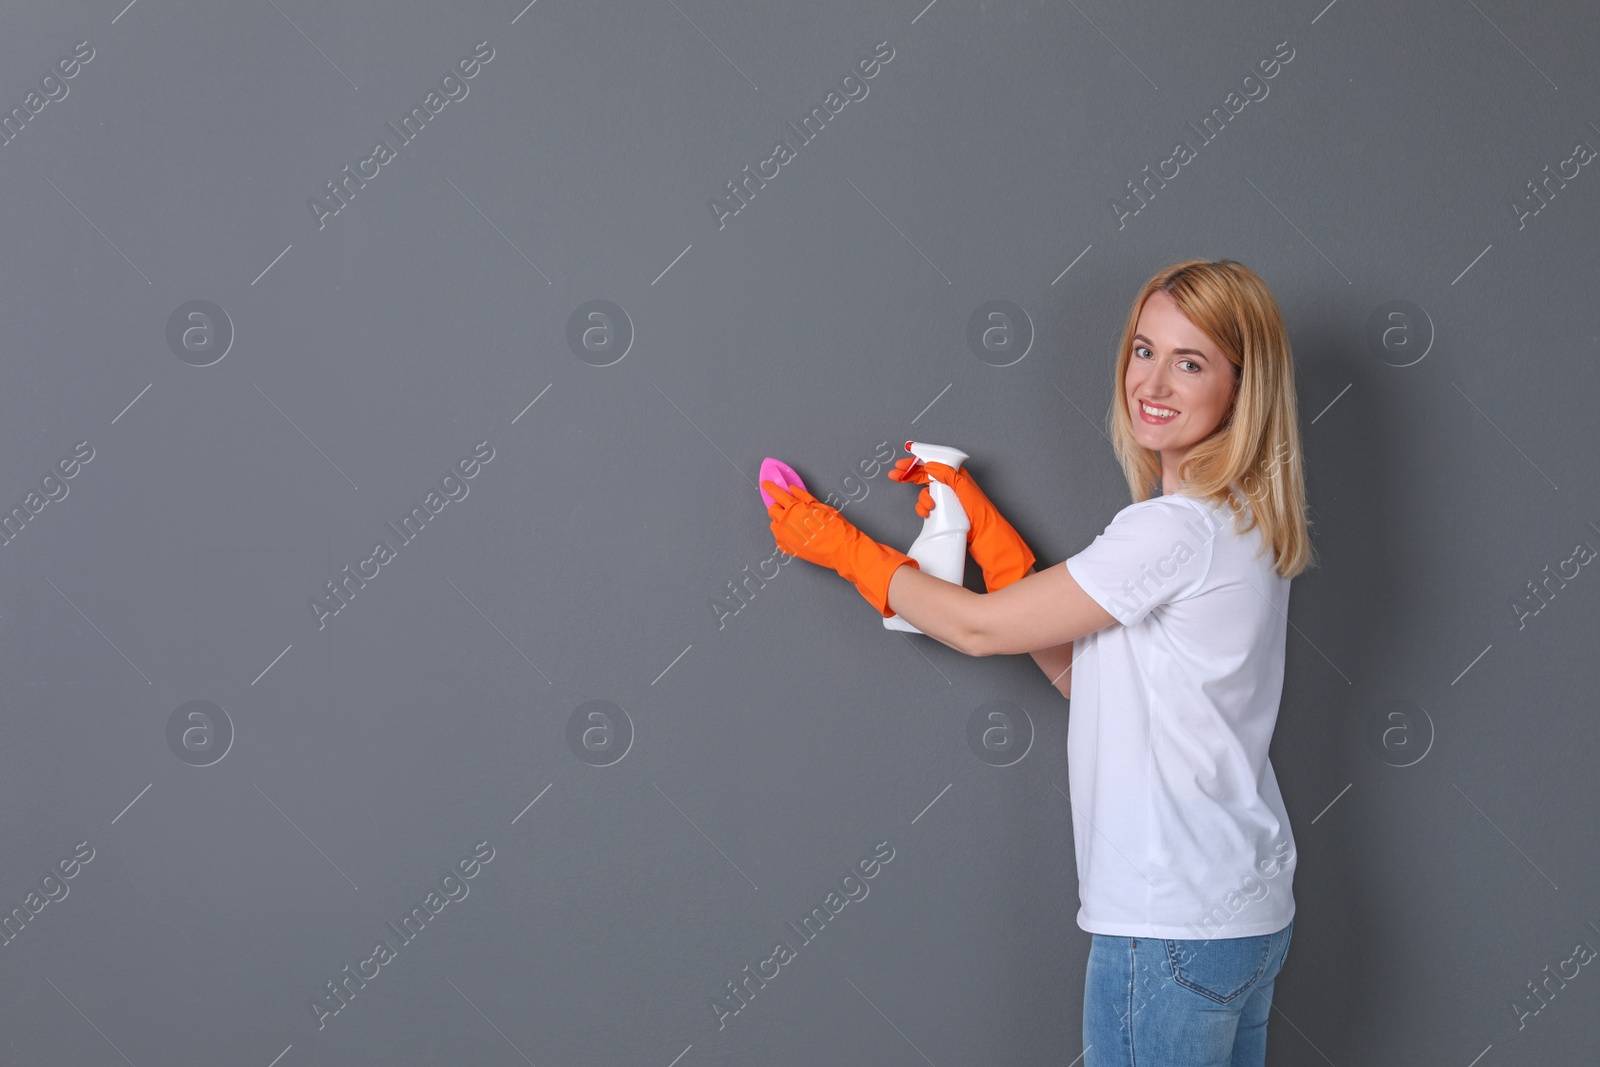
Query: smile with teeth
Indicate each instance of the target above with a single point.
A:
(1155, 414)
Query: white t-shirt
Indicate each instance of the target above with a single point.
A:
(1179, 828)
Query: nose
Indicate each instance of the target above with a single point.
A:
(1157, 381)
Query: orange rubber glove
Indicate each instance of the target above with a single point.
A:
(998, 548)
(803, 526)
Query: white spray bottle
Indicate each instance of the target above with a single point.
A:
(941, 548)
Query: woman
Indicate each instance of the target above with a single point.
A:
(1178, 616)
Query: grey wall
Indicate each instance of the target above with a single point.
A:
(253, 794)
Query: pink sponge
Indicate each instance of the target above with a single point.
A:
(775, 470)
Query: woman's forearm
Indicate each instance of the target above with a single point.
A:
(942, 610)
(948, 613)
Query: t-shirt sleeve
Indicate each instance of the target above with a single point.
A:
(1154, 552)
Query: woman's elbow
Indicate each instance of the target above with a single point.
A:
(980, 643)
(993, 627)
(987, 636)
(976, 638)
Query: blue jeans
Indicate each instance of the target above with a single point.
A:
(1156, 1002)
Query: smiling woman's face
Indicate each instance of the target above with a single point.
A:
(1177, 369)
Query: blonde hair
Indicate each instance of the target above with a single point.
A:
(1255, 449)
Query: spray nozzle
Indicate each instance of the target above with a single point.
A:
(926, 453)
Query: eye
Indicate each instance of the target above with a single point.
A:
(1137, 349)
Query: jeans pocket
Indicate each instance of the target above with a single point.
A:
(1222, 968)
